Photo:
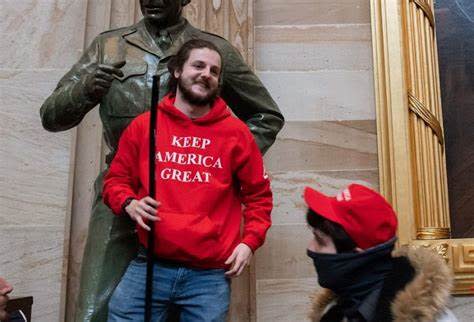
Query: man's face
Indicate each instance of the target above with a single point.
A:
(321, 243)
(162, 12)
(198, 82)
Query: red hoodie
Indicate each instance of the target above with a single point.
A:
(206, 168)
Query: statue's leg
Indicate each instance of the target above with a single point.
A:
(111, 245)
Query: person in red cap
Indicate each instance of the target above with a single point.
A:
(363, 279)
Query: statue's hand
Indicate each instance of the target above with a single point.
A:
(98, 82)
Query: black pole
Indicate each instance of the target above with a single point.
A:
(155, 94)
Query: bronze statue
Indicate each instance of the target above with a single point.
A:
(116, 72)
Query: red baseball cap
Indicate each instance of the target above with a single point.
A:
(362, 212)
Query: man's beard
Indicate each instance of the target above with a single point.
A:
(192, 98)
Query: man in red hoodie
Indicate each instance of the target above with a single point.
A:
(207, 166)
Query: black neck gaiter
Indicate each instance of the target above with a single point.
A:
(353, 276)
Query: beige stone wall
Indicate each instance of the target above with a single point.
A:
(39, 171)
(316, 65)
(40, 40)
(46, 179)
(315, 57)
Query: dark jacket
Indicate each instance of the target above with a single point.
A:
(417, 290)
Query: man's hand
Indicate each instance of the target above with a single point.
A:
(145, 208)
(5, 289)
(98, 82)
(239, 259)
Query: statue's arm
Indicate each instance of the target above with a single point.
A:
(250, 100)
(68, 104)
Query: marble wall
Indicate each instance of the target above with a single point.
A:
(39, 40)
(315, 57)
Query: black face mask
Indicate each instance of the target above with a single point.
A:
(353, 276)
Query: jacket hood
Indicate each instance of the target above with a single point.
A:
(218, 111)
(422, 299)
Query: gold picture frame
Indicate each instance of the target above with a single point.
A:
(412, 164)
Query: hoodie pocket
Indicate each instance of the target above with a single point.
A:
(185, 236)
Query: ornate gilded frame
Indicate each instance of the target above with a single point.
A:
(408, 123)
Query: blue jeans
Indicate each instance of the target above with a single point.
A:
(200, 295)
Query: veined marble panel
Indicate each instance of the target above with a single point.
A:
(302, 12)
(345, 55)
(41, 34)
(332, 95)
(463, 308)
(324, 145)
(313, 33)
(285, 300)
(34, 164)
(123, 13)
(98, 19)
(283, 255)
(240, 300)
(31, 259)
(288, 187)
(311, 48)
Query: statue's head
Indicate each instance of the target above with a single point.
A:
(162, 12)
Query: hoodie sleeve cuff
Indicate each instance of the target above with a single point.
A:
(125, 204)
(118, 207)
(252, 242)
